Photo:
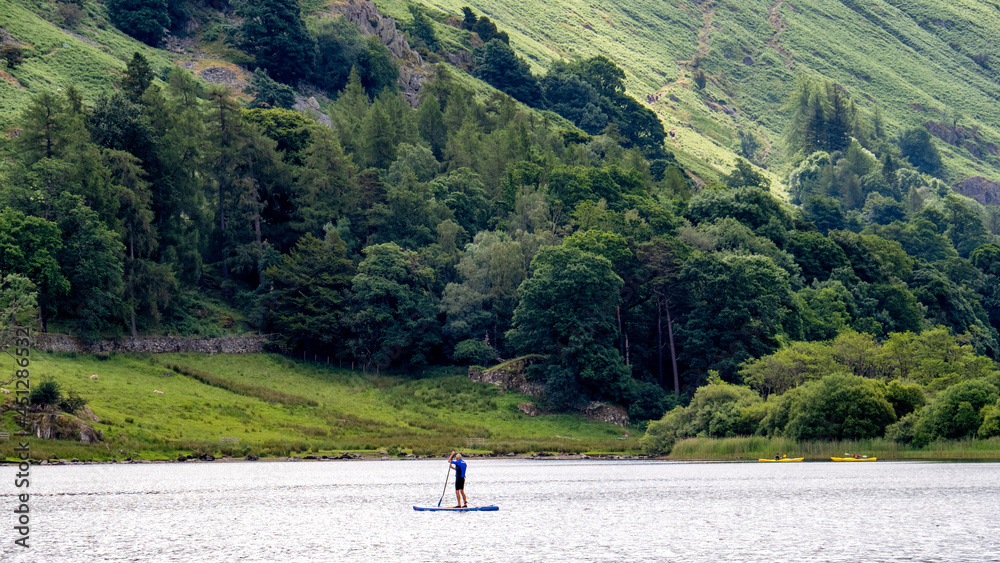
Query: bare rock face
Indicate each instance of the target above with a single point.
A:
(49, 426)
(986, 192)
(6, 37)
(606, 412)
(461, 59)
(413, 72)
(510, 375)
(309, 106)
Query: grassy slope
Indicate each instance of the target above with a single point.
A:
(92, 56)
(355, 411)
(914, 57)
(897, 52)
(55, 59)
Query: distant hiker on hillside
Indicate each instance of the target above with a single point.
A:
(459, 466)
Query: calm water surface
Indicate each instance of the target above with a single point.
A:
(549, 510)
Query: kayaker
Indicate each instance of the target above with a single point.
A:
(459, 466)
(777, 457)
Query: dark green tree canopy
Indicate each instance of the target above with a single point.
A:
(143, 19)
(274, 33)
(497, 64)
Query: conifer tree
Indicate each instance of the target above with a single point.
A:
(274, 33)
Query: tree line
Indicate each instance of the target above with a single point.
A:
(472, 230)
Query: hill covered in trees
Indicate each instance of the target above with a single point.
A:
(494, 209)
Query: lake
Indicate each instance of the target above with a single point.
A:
(549, 510)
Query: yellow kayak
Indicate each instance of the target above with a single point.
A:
(853, 458)
(782, 459)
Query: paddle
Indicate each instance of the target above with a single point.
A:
(445, 489)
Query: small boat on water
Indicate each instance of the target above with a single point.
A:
(456, 508)
(782, 459)
(853, 458)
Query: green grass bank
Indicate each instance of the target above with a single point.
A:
(275, 406)
(755, 447)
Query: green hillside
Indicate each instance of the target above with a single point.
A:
(91, 58)
(275, 406)
(919, 61)
(508, 192)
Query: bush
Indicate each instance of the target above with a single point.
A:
(474, 351)
(904, 398)
(72, 402)
(12, 54)
(142, 19)
(840, 407)
(647, 401)
(903, 430)
(956, 411)
(991, 421)
(717, 410)
(47, 392)
(70, 14)
(661, 435)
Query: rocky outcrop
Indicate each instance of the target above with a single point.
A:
(529, 409)
(153, 344)
(510, 375)
(462, 60)
(222, 75)
(309, 106)
(606, 412)
(985, 191)
(49, 426)
(413, 72)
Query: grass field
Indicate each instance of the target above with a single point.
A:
(276, 406)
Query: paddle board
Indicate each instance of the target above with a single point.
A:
(456, 509)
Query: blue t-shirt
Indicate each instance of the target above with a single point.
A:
(459, 467)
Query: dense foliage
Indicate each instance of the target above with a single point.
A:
(472, 229)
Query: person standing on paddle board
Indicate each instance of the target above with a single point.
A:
(459, 466)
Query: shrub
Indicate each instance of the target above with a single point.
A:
(12, 54)
(903, 430)
(72, 402)
(956, 412)
(839, 407)
(474, 351)
(717, 410)
(661, 435)
(47, 392)
(647, 401)
(991, 421)
(700, 78)
(70, 14)
(142, 19)
(904, 398)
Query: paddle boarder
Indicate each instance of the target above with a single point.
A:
(459, 467)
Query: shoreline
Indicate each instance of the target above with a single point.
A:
(534, 457)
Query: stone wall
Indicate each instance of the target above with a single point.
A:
(153, 344)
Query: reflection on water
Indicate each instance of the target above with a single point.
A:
(549, 510)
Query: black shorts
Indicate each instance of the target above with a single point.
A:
(459, 483)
